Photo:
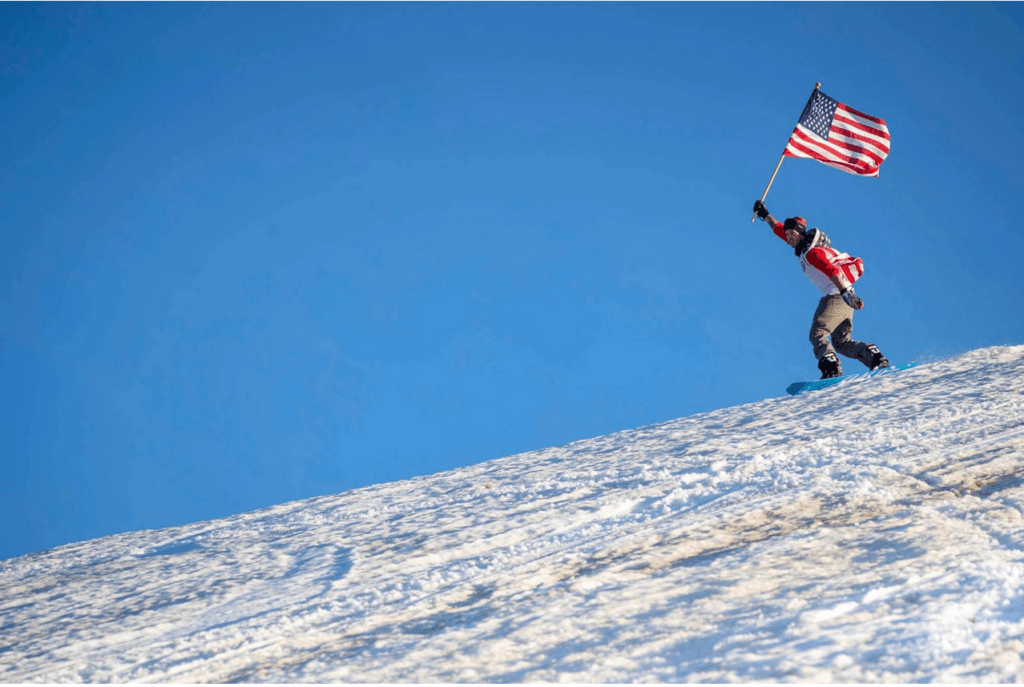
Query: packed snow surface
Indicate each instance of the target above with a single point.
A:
(872, 531)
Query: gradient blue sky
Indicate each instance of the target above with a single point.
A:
(260, 252)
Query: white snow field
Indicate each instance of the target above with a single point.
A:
(869, 532)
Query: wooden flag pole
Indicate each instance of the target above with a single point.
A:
(781, 158)
(770, 182)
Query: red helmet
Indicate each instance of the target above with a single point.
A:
(797, 223)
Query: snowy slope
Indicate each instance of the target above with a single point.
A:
(795, 539)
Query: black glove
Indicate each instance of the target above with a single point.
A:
(760, 209)
(851, 298)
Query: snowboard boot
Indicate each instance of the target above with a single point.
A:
(878, 361)
(829, 366)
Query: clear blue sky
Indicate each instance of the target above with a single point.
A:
(260, 252)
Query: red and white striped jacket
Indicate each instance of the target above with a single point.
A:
(821, 263)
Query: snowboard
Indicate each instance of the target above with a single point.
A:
(800, 387)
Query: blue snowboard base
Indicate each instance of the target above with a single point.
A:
(800, 387)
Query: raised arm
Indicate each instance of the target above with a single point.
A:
(761, 211)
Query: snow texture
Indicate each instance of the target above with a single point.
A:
(869, 532)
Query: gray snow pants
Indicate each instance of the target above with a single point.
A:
(834, 318)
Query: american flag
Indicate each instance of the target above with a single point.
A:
(839, 136)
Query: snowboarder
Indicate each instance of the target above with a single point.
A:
(833, 273)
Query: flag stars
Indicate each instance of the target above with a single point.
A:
(819, 113)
